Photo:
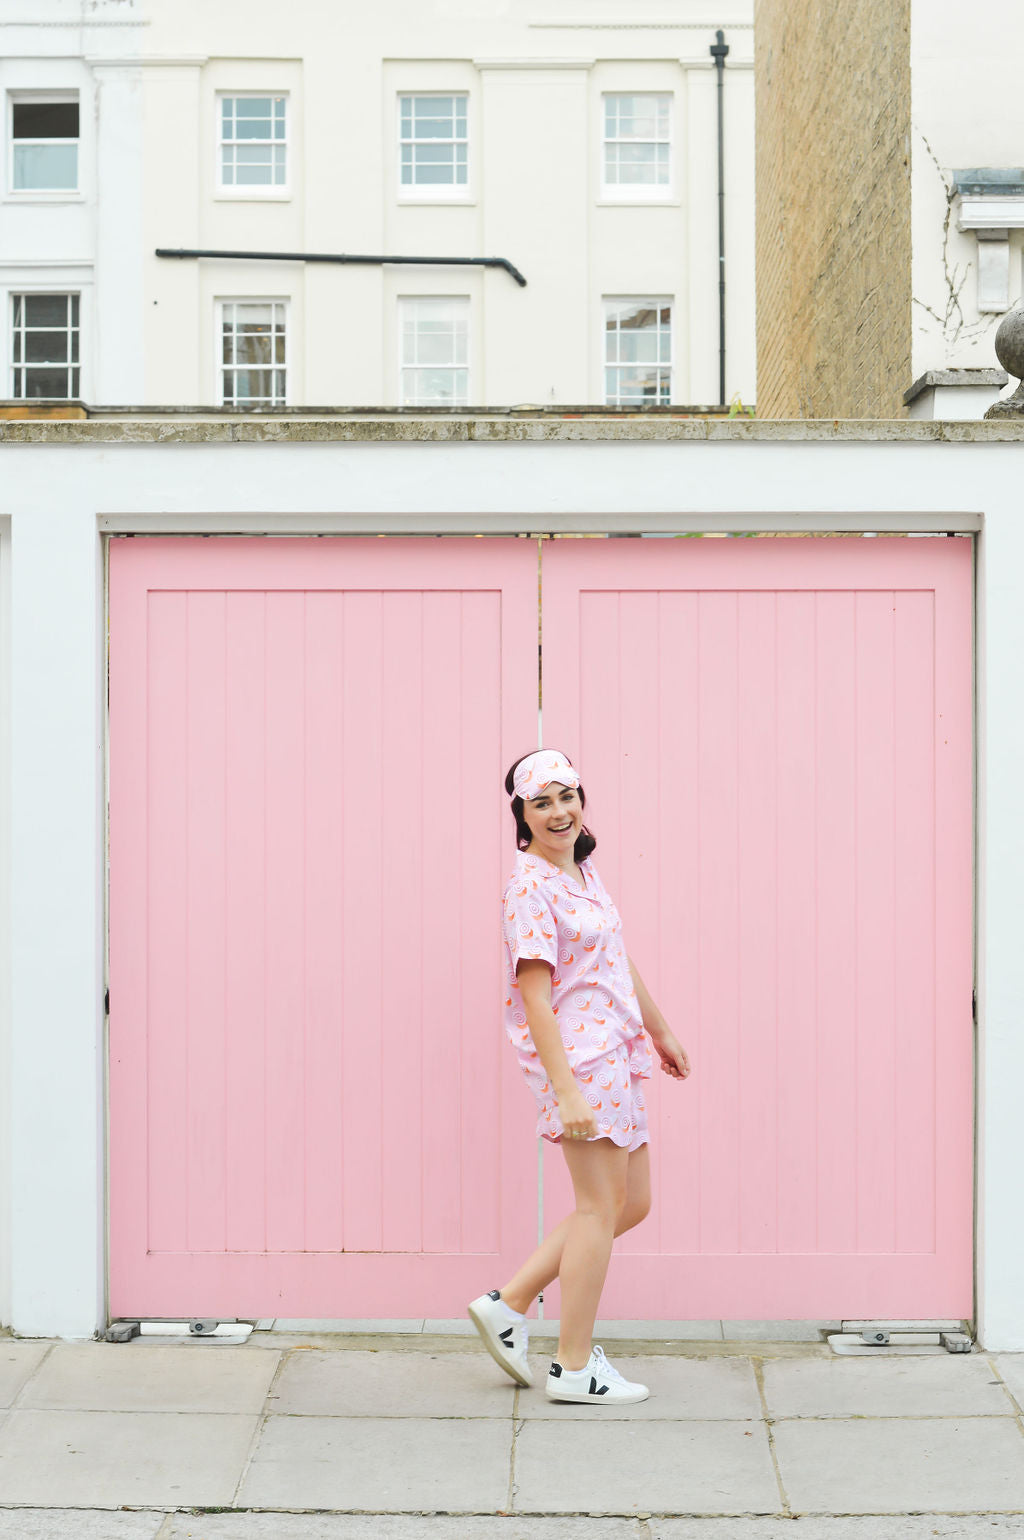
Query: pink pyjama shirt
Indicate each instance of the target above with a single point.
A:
(547, 915)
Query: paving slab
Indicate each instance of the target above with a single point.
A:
(336, 1526)
(911, 1526)
(955, 1385)
(103, 1377)
(381, 1464)
(115, 1459)
(1010, 1367)
(383, 1384)
(652, 1467)
(704, 1388)
(901, 1464)
(18, 1360)
(77, 1524)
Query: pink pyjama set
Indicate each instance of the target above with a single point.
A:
(547, 915)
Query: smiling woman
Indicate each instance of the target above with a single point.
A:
(575, 1013)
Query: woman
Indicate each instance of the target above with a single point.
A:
(575, 1012)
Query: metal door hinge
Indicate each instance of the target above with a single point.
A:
(865, 1337)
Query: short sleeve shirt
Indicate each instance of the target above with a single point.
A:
(547, 915)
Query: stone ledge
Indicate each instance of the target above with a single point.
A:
(405, 430)
(932, 378)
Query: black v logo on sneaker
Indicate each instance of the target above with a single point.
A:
(506, 1336)
(594, 1390)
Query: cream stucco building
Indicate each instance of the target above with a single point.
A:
(576, 144)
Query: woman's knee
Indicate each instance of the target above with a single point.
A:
(633, 1211)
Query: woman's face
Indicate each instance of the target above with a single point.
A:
(554, 819)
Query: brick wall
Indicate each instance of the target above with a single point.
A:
(832, 89)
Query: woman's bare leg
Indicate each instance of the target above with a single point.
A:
(543, 1266)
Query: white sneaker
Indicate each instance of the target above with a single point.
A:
(596, 1381)
(506, 1334)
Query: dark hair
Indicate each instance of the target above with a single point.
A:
(585, 841)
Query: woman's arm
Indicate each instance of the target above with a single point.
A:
(670, 1051)
(534, 979)
(654, 1022)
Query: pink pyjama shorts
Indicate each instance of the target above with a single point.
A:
(616, 1095)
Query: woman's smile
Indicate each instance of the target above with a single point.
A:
(555, 819)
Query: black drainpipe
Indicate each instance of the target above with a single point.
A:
(320, 256)
(719, 49)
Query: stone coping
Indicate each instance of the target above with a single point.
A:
(482, 429)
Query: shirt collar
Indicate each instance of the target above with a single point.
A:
(547, 870)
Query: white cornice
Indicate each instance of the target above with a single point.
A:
(996, 212)
(533, 64)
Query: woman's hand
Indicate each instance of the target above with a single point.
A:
(576, 1113)
(672, 1054)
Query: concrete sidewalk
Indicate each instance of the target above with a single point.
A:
(307, 1438)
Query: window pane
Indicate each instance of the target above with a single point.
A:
(46, 347)
(279, 154)
(249, 316)
(252, 117)
(45, 120)
(252, 348)
(252, 165)
(46, 310)
(252, 385)
(46, 382)
(45, 167)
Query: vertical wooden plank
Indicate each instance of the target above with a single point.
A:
(873, 1061)
(284, 757)
(326, 810)
(204, 907)
(718, 923)
(676, 1156)
(166, 891)
(245, 1016)
(834, 1098)
(954, 1031)
(637, 749)
(914, 902)
(757, 930)
(484, 815)
(371, 792)
(444, 850)
(414, 796)
(798, 777)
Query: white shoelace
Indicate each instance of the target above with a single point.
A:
(604, 1367)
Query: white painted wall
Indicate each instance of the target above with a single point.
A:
(534, 111)
(965, 80)
(61, 497)
(60, 242)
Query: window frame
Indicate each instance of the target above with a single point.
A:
(406, 300)
(654, 302)
(23, 292)
(433, 192)
(53, 98)
(250, 191)
(637, 192)
(218, 350)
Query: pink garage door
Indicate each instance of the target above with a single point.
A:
(312, 1108)
(776, 743)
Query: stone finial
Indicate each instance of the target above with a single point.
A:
(1010, 353)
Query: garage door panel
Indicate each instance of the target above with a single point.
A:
(775, 738)
(306, 1058)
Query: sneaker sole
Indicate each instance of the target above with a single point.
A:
(586, 1398)
(496, 1349)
